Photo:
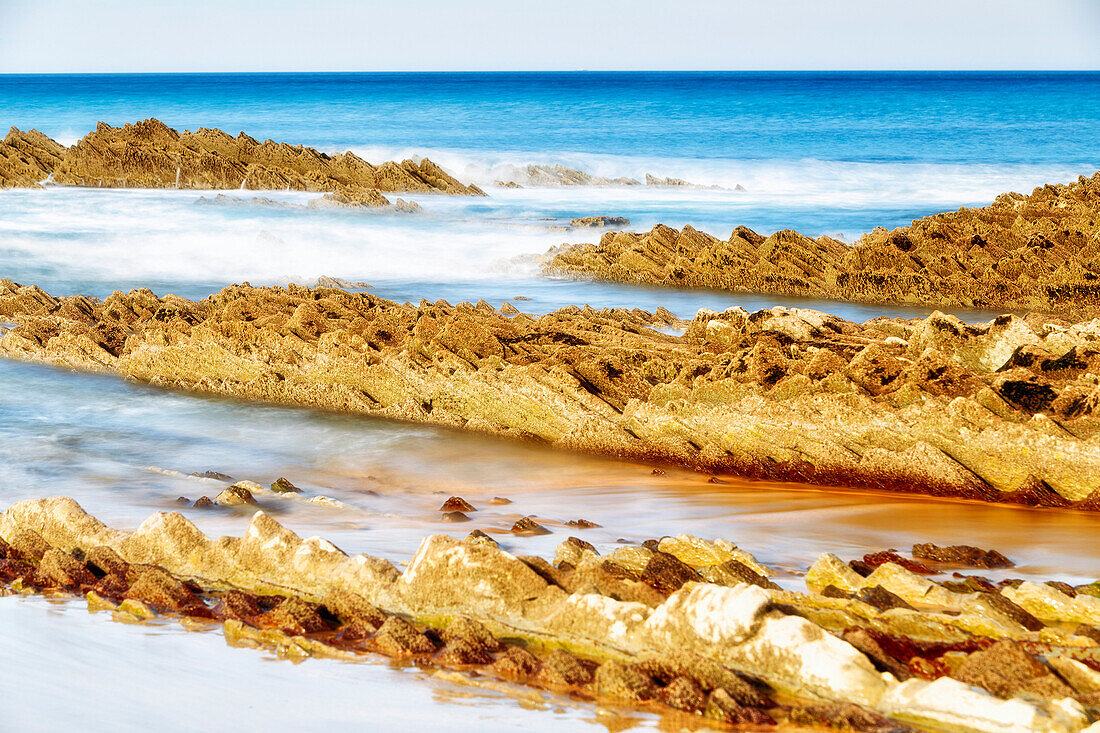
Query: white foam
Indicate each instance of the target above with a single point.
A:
(93, 235)
(821, 182)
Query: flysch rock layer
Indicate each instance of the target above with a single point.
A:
(737, 629)
(1025, 253)
(149, 154)
(26, 158)
(1005, 411)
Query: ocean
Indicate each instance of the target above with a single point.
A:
(823, 153)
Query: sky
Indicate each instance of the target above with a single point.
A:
(42, 36)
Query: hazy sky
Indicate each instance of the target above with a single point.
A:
(320, 35)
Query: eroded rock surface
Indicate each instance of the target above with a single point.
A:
(28, 158)
(600, 221)
(737, 654)
(149, 154)
(1039, 252)
(1002, 411)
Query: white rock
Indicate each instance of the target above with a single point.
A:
(949, 703)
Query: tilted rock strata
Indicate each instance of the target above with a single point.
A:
(559, 175)
(600, 221)
(1004, 411)
(347, 199)
(1039, 253)
(26, 158)
(149, 154)
(712, 636)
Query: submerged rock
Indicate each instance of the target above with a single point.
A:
(457, 504)
(528, 526)
(600, 221)
(581, 524)
(962, 555)
(235, 496)
(283, 486)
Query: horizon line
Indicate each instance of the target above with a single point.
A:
(567, 71)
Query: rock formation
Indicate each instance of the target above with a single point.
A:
(149, 154)
(551, 176)
(559, 175)
(666, 182)
(680, 624)
(347, 198)
(28, 158)
(600, 221)
(1039, 252)
(1004, 411)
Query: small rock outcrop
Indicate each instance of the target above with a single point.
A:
(666, 182)
(559, 175)
(600, 221)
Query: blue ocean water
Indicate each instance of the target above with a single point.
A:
(824, 153)
(1027, 118)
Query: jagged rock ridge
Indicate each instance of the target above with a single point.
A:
(740, 640)
(1004, 411)
(1039, 252)
(149, 154)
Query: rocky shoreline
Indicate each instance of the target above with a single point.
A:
(1022, 253)
(1007, 411)
(149, 154)
(680, 626)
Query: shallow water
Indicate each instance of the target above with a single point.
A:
(834, 154)
(80, 241)
(128, 676)
(120, 450)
